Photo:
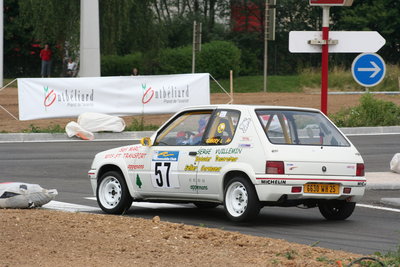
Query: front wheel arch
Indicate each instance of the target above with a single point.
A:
(107, 168)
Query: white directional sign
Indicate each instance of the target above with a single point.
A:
(348, 41)
(331, 2)
(368, 69)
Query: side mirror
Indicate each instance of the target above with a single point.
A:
(145, 141)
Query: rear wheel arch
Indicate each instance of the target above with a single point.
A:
(232, 174)
(241, 202)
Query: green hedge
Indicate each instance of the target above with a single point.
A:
(176, 60)
(120, 65)
(370, 112)
(216, 58)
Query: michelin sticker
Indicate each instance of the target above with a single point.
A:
(164, 168)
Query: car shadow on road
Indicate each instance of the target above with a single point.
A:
(216, 218)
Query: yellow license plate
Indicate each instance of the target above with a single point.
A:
(321, 188)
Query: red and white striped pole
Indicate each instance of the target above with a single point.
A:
(325, 57)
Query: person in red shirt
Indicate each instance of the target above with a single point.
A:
(45, 55)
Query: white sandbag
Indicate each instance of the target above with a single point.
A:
(395, 163)
(97, 122)
(74, 129)
(22, 195)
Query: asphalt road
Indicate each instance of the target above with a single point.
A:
(377, 150)
(64, 166)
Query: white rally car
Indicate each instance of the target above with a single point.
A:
(242, 157)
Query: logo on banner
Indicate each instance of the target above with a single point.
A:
(70, 97)
(148, 94)
(49, 97)
(168, 94)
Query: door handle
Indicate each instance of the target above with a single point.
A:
(192, 153)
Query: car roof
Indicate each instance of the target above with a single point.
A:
(247, 107)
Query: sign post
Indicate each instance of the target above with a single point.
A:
(340, 42)
(326, 4)
(324, 59)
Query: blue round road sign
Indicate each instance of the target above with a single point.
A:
(368, 69)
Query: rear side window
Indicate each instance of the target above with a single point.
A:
(222, 127)
(299, 128)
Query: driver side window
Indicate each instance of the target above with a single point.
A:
(185, 130)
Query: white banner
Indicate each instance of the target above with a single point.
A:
(41, 98)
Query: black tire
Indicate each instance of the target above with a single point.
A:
(336, 209)
(240, 200)
(112, 193)
(206, 205)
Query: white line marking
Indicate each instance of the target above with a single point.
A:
(67, 141)
(64, 206)
(377, 207)
(150, 205)
(370, 134)
(69, 207)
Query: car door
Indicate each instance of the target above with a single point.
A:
(217, 151)
(171, 166)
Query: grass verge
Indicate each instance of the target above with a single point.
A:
(250, 84)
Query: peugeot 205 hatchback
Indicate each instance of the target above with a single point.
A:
(242, 157)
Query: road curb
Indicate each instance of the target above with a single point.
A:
(383, 186)
(62, 137)
(391, 201)
(136, 135)
(382, 180)
(370, 130)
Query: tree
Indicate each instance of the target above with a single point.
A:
(54, 22)
(128, 26)
(381, 16)
(293, 15)
(177, 18)
(20, 51)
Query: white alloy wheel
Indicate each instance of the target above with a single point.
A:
(110, 192)
(240, 200)
(236, 199)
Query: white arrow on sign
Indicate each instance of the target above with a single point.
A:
(348, 41)
(375, 70)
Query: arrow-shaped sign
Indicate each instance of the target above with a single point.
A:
(347, 41)
(375, 69)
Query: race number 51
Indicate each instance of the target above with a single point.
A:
(164, 174)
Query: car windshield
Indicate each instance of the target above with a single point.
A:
(186, 130)
(299, 128)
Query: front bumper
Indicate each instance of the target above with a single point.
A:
(92, 174)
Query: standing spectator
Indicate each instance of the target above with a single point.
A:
(135, 72)
(71, 68)
(45, 55)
